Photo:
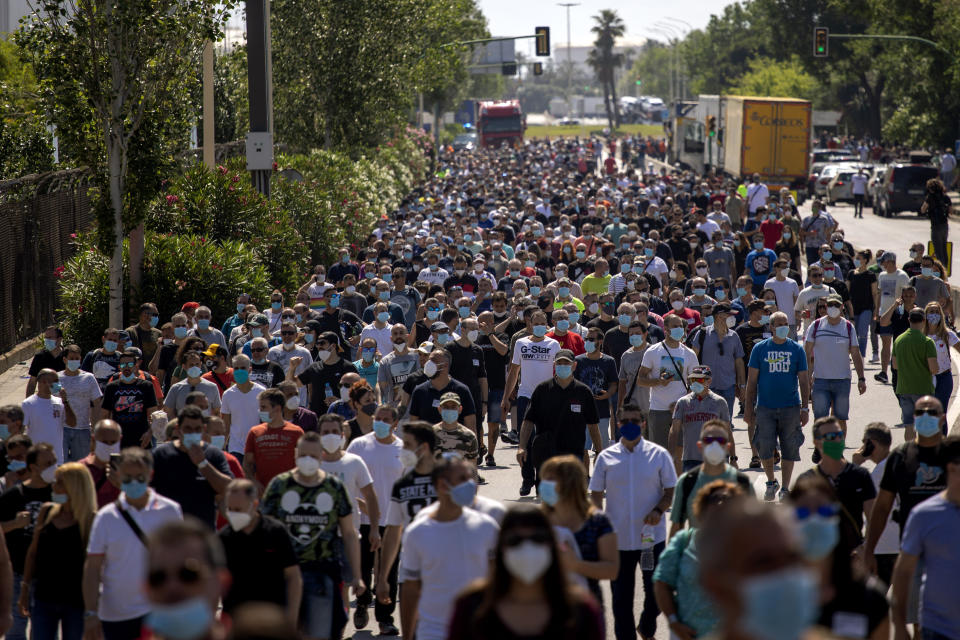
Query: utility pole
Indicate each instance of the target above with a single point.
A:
(259, 92)
(567, 5)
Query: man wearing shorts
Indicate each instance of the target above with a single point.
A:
(775, 406)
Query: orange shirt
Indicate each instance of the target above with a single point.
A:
(274, 450)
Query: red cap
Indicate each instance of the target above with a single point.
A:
(190, 305)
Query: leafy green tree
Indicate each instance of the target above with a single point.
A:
(25, 145)
(608, 26)
(652, 67)
(112, 79)
(767, 77)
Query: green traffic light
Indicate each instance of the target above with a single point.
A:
(639, 82)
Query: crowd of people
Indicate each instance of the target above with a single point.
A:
(197, 476)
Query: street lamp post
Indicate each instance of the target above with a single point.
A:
(567, 5)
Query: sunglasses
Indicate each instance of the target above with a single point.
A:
(257, 349)
(712, 439)
(288, 333)
(126, 365)
(190, 573)
(929, 412)
(514, 540)
(833, 436)
(826, 511)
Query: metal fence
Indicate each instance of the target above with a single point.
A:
(37, 215)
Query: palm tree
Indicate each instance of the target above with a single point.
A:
(608, 27)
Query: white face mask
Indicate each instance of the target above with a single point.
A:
(714, 453)
(701, 271)
(239, 519)
(102, 450)
(49, 474)
(472, 335)
(677, 304)
(293, 403)
(408, 458)
(430, 369)
(331, 442)
(528, 561)
(323, 355)
(731, 322)
(399, 347)
(345, 393)
(833, 312)
(307, 465)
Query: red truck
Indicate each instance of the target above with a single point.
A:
(500, 122)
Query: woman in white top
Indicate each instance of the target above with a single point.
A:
(936, 329)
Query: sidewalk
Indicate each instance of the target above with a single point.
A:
(13, 383)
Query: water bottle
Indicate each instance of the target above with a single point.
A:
(327, 391)
(646, 545)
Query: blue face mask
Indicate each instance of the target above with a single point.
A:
(574, 318)
(190, 439)
(779, 605)
(820, 535)
(926, 426)
(309, 338)
(178, 332)
(581, 255)
(758, 246)
(433, 314)
(443, 338)
(58, 498)
(827, 255)
(387, 277)
(381, 429)
(764, 319)
(464, 493)
(699, 291)
(677, 333)
(539, 330)
(590, 346)
(111, 345)
(4, 432)
(194, 372)
(56, 388)
(49, 344)
(384, 295)
(217, 442)
(563, 291)
(563, 325)
(134, 489)
(696, 387)
(648, 252)
(933, 318)
(548, 492)
(534, 290)
(564, 371)
(264, 416)
(383, 316)
(408, 255)
(182, 621)
(449, 415)
(241, 376)
(636, 340)
(154, 320)
(463, 311)
(368, 354)
(630, 430)
(782, 331)
(926, 271)
(624, 268)
(16, 465)
(276, 305)
(529, 264)
(838, 246)
(624, 319)
(741, 291)
(203, 323)
(240, 307)
(720, 294)
(334, 302)
(708, 321)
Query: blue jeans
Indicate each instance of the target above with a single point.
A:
(831, 393)
(18, 630)
(623, 588)
(944, 388)
(45, 617)
(76, 443)
(862, 324)
(729, 394)
(604, 425)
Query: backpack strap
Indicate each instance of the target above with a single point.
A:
(689, 482)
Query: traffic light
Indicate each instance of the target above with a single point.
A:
(508, 69)
(639, 82)
(821, 36)
(711, 126)
(543, 41)
(538, 68)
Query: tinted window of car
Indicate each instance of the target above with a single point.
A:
(913, 177)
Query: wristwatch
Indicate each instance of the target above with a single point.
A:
(90, 613)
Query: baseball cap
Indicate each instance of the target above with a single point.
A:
(700, 371)
(835, 297)
(190, 305)
(439, 326)
(425, 348)
(330, 337)
(723, 307)
(213, 350)
(450, 396)
(258, 320)
(564, 354)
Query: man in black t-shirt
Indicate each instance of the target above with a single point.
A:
(130, 401)
(50, 357)
(260, 556)
(467, 365)
(425, 399)
(495, 346)
(324, 373)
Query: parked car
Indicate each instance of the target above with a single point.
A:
(840, 189)
(831, 155)
(875, 182)
(903, 188)
(465, 141)
(826, 175)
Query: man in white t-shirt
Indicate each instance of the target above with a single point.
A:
(240, 407)
(380, 328)
(433, 274)
(859, 185)
(116, 557)
(787, 290)
(85, 398)
(288, 349)
(47, 412)
(664, 369)
(757, 194)
(444, 552)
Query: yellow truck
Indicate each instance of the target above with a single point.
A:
(769, 136)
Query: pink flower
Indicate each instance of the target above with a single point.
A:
(235, 178)
(73, 236)
(172, 200)
(222, 169)
(58, 272)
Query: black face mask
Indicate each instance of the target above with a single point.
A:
(370, 408)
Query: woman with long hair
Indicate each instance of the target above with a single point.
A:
(53, 570)
(563, 492)
(526, 596)
(741, 247)
(864, 296)
(788, 244)
(364, 405)
(844, 591)
(935, 328)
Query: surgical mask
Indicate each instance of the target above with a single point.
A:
(636, 340)
(563, 291)
(827, 255)
(73, 365)
(697, 387)
(190, 439)
(430, 369)
(708, 321)
(58, 498)
(464, 493)
(368, 354)
(564, 371)
(256, 333)
(589, 346)
(857, 262)
(782, 331)
(702, 271)
(780, 604)
(134, 489)
(443, 338)
(264, 416)
(49, 344)
(820, 536)
(241, 376)
(833, 312)
(293, 403)
(838, 246)
(786, 235)
(581, 255)
(926, 426)
(383, 316)
(56, 388)
(527, 561)
(758, 245)
(240, 307)
(574, 318)
(16, 465)
(548, 492)
(449, 415)
(127, 377)
(677, 305)
(933, 318)
(384, 295)
(408, 458)
(239, 519)
(194, 372)
(381, 429)
(345, 393)
(677, 333)
(49, 474)
(624, 319)
(828, 274)
(624, 268)
(103, 451)
(217, 442)
(309, 338)
(473, 335)
(539, 330)
(335, 300)
(322, 355)
(594, 308)
(741, 291)
(331, 442)
(648, 252)
(764, 319)
(463, 311)
(307, 465)
(630, 430)
(534, 290)
(720, 294)
(111, 345)
(563, 325)
(433, 314)
(714, 453)
(203, 323)
(182, 621)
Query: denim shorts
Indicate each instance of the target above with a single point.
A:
(835, 393)
(494, 413)
(778, 424)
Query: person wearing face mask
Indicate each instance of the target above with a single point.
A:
(494, 348)
(176, 396)
(527, 594)
(453, 437)
(102, 362)
(677, 586)
(935, 328)
(852, 605)
(443, 552)
(367, 365)
(257, 328)
(316, 534)
(48, 413)
(380, 292)
(363, 403)
(85, 396)
(239, 405)
(269, 447)
(292, 411)
(759, 264)
(19, 508)
(236, 321)
(806, 304)
(188, 471)
(218, 372)
(424, 400)
(380, 451)
(203, 330)
(396, 365)
(115, 569)
(914, 357)
(690, 413)
(52, 356)
(636, 477)
(259, 554)
(598, 371)
(604, 311)
(284, 353)
(380, 329)
(106, 442)
(14, 461)
(322, 378)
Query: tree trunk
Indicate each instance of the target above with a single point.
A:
(613, 100)
(115, 162)
(136, 264)
(606, 100)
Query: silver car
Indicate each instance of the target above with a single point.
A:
(823, 180)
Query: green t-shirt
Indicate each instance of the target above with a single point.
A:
(729, 475)
(595, 284)
(311, 515)
(911, 351)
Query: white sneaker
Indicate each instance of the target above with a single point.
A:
(875, 359)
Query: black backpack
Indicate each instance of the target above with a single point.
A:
(690, 481)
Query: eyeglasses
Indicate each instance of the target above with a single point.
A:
(825, 511)
(929, 412)
(126, 365)
(712, 439)
(514, 540)
(190, 573)
(288, 333)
